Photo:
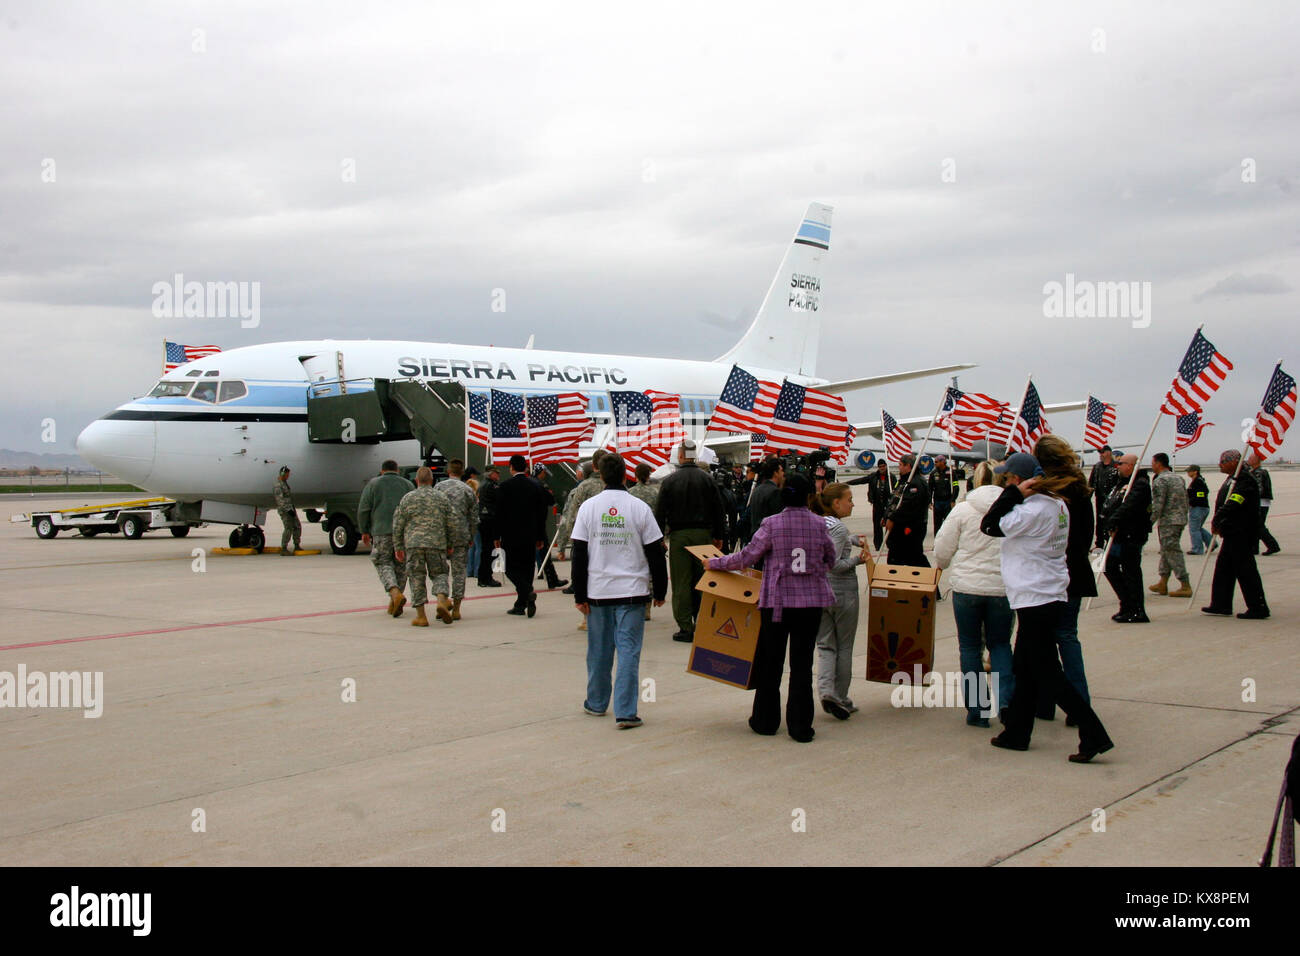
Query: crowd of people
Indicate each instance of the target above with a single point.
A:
(1017, 550)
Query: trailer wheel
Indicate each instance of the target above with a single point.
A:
(132, 527)
(343, 535)
(180, 531)
(255, 539)
(46, 528)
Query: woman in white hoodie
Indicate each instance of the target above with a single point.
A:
(973, 562)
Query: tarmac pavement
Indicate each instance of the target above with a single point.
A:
(224, 686)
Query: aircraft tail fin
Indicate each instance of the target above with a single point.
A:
(786, 332)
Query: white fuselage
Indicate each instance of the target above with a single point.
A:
(231, 450)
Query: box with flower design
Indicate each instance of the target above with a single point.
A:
(900, 621)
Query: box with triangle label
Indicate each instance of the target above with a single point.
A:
(726, 631)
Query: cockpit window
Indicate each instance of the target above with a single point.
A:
(195, 373)
(232, 390)
(211, 373)
(205, 392)
(171, 390)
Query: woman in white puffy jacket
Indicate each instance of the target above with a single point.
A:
(973, 563)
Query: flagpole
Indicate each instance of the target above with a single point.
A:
(1084, 440)
(1214, 535)
(164, 361)
(1011, 427)
(1131, 480)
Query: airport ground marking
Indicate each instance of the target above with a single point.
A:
(214, 624)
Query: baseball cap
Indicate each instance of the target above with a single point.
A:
(1021, 463)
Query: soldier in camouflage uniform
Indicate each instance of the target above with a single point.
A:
(590, 486)
(379, 499)
(462, 526)
(420, 539)
(1169, 508)
(288, 516)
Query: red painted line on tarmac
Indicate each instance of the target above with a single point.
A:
(246, 621)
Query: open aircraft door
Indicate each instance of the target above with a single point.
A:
(325, 373)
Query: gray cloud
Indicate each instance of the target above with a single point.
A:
(1238, 284)
(631, 179)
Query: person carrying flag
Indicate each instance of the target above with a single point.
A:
(1236, 520)
(908, 515)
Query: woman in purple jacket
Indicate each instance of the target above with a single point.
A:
(797, 554)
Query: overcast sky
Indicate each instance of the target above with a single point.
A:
(632, 174)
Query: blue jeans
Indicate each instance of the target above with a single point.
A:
(612, 627)
(1067, 641)
(474, 555)
(984, 621)
(1201, 537)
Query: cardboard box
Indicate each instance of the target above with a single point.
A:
(726, 631)
(901, 608)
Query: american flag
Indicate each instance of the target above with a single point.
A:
(968, 416)
(646, 419)
(757, 445)
(477, 431)
(507, 427)
(556, 425)
(1276, 414)
(177, 354)
(897, 440)
(1030, 425)
(806, 419)
(1188, 430)
(841, 457)
(1203, 370)
(1099, 422)
(746, 404)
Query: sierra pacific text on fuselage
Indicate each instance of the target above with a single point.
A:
(502, 372)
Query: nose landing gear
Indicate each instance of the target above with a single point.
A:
(248, 536)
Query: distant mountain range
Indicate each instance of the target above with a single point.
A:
(25, 459)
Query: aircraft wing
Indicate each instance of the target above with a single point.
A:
(836, 388)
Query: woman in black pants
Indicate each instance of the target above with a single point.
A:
(1033, 521)
(797, 555)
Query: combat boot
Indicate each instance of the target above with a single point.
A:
(1161, 586)
(1184, 591)
(396, 601)
(444, 609)
(455, 609)
(420, 619)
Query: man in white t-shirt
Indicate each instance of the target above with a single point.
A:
(618, 568)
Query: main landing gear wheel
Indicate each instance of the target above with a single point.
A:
(343, 535)
(255, 538)
(239, 537)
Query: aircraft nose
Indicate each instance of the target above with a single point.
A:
(121, 448)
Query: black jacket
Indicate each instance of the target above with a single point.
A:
(1236, 510)
(487, 500)
(521, 507)
(765, 502)
(1102, 480)
(1198, 493)
(688, 498)
(911, 512)
(1078, 499)
(1264, 481)
(941, 485)
(1128, 515)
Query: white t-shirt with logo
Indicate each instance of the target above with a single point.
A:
(1033, 551)
(616, 527)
